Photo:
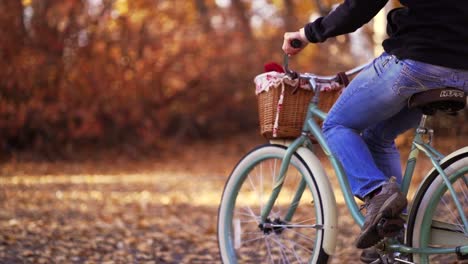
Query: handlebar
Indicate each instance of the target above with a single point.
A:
(313, 79)
(319, 78)
(296, 43)
(329, 78)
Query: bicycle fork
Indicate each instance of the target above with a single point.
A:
(279, 183)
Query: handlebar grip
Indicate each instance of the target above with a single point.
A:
(296, 43)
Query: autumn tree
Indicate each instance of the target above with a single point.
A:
(105, 73)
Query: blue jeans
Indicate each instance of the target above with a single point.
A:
(362, 126)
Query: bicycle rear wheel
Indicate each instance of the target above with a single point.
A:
(244, 238)
(434, 220)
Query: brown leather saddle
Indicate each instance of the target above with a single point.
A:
(447, 100)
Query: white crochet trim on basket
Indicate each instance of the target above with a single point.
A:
(267, 80)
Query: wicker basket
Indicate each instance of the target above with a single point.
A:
(293, 110)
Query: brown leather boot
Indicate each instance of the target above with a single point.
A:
(388, 203)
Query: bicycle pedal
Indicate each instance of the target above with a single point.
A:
(390, 227)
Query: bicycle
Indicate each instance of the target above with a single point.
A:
(278, 204)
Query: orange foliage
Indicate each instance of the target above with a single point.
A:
(108, 72)
(112, 72)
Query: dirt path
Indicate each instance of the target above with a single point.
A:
(124, 211)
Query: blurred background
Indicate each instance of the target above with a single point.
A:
(117, 74)
(121, 119)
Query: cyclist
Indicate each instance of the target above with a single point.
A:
(426, 48)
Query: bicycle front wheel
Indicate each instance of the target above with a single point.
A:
(242, 235)
(434, 220)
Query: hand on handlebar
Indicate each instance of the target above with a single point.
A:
(298, 37)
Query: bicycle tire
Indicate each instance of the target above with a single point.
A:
(231, 251)
(430, 196)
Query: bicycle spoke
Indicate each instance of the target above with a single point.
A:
(254, 189)
(261, 188)
(453, 215)
(281, 247)
(447, 202)
(303, 221)
(247, 212)
(274, 171)
(268, 248)
(297, 257)
(463, 189)
(302, 247)
(252, 240)
(301, 235)
(253, 233)
(249, 221)
(297, 244)
(291, 249)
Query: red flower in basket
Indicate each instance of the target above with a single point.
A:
(273, 66)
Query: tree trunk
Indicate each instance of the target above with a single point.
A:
(44, 36)
(12, 27)
(203, 14)
(322, 8)
(244, 20)
(290, 20)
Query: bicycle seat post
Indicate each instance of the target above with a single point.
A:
(422, 123)
(423, 130)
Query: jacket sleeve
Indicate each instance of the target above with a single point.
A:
(346, 18)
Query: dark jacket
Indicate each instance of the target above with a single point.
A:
(431, 31)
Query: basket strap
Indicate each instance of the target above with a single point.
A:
(342, 79)
(297, 86)
(279, 106)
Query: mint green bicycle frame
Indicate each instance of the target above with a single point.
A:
(311, 127)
